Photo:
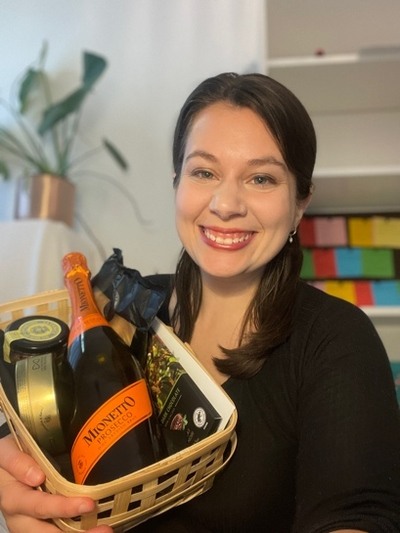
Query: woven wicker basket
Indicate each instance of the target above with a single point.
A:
(134, 498)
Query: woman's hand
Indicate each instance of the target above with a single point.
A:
(26, 509)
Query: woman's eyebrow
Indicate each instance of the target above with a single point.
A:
(268, 160)
(255, 162)
(203, 154)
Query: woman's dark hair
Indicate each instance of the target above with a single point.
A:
(271, 312)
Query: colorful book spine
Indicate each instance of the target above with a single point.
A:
(356, 258)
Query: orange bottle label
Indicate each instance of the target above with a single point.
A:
(118, 415)
(83, 323)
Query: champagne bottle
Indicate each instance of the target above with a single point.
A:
(113, 430)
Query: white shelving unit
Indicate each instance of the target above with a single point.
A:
(342, 59)
(357, 189)
(364, 77)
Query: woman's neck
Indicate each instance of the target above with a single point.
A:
(223, 291)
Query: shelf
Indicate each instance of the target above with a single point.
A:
(343, 82)
(386, 321)
(302, 28)
(385, 312)
(356, 190)
(366, 56)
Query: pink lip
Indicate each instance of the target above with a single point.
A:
(226, 238)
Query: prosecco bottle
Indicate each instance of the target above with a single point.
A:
(113, 430)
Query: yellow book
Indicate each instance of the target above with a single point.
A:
(386, 232)
(360, 231)
(341, 289)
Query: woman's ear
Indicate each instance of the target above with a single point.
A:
(301, 207)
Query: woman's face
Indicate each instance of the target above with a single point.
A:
(236, 199)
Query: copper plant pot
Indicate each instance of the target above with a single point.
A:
(45, 196)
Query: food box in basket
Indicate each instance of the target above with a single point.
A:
(132, 499)
(188, 402)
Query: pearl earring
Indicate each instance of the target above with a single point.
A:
(291, 235)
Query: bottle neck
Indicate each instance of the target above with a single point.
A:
(84, 310)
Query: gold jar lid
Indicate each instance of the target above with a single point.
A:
(37, 401)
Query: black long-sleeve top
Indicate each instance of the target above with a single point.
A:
(318, 435)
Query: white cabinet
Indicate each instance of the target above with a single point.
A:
(342, 59)
(32, 253)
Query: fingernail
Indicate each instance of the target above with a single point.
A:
(34, 476)
(85, 507)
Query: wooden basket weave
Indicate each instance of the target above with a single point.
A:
(132, 499)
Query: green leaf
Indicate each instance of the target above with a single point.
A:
(4, 171)
(93, 67)
(31, 79)
(61, 110)
(29, 82)
(116, 154)
(43, 54)
(4, 132)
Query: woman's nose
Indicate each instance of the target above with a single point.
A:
(227, 201)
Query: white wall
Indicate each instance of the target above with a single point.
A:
(157, 51)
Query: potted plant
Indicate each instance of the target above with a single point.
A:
(43, 142)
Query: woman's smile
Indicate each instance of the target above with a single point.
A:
(228, 239)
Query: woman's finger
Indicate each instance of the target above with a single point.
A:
(25, 524)
(21, 524)
(20, 465)
(17, 498)
(28, 509)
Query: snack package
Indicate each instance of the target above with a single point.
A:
(185, 414)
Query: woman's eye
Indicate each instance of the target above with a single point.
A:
(202, 174)
(262, 180)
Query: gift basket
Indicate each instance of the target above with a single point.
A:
(134, 498)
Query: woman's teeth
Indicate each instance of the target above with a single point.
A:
(226, 240)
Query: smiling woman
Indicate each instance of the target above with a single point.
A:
(318, 423)
(244, 152)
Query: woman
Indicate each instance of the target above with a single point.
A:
(318, 431)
